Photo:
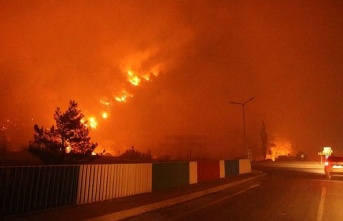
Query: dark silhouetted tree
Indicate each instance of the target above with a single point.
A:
(70, 135)
(264, 140)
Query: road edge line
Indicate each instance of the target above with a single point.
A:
(165, 203)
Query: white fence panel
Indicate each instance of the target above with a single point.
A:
(108, 181)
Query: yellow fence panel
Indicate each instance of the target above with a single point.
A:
(193, 172)
(244, 166)
(221, 168)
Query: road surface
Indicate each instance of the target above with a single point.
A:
(283, 195)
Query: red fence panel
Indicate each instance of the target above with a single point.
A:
(208, 170)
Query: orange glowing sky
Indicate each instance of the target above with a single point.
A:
(177, 66)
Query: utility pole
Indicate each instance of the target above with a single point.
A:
(244, 137)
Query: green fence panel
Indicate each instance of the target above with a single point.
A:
(169, 175)
(231, 167)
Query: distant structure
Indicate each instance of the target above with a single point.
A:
(186, 147)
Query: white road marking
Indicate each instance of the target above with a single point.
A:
(217, 201)
(321, 204)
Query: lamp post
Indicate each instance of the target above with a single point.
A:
(243, 107)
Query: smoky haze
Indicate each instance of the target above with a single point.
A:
(199, 56)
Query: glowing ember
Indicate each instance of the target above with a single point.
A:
(106, 102)
(68, 149)
(104, 115)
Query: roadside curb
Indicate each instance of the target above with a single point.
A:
(165, 203)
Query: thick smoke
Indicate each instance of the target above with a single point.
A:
(199, 56)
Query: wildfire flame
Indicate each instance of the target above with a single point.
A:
(280, 147)
(123, 96)
(136, 79)
(91, 122)
(133, 78)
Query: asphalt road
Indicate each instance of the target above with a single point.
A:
(296, 194)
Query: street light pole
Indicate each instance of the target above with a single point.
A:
(243, 108)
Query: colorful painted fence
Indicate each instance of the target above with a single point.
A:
(27, 189)
(208, 170)
(231, 167)
(169, 175)
(109, 181)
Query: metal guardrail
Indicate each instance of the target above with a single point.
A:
(25, 189)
